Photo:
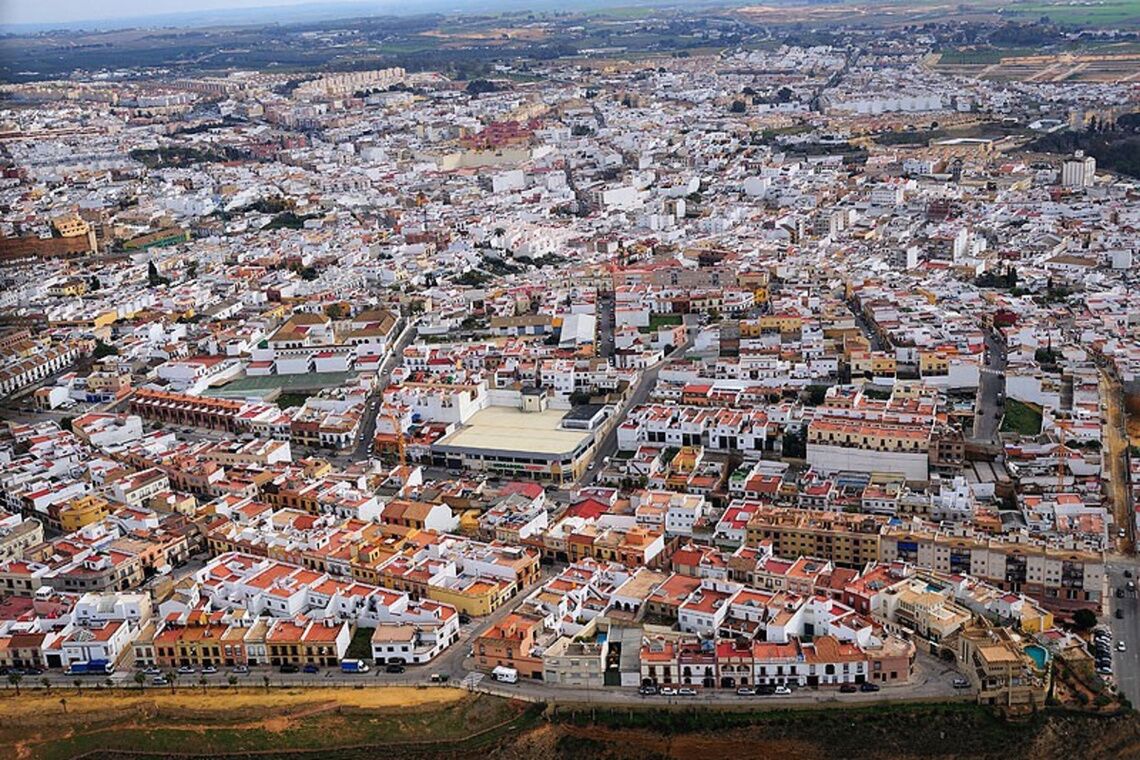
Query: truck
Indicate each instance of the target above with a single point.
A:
(91, 668)
(505, 675)
(353, 666)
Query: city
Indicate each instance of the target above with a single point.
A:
(733, 362)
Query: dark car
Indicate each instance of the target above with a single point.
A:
(868, 686)
(395, 669)
(765, 690)
(647, 691)
(1119, 593)
(848, 688)
(287, 668)
(464, 618)
(1119, 614)
(310, 669)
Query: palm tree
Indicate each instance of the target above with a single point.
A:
(265, 680)
(202, 681)
(47, 683)
(63, 704)
(109, 683)
(232, 680)
(78, 682)
(172, 676)
(14, 679)
(140, 678)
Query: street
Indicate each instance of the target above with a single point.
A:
(991, 385)
(1126, 664)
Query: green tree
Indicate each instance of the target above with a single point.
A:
(103, 349)
(265, 680)
(1084, 619)
(46, 683)
(140, 678)
(78, 684)
(14, 679)
(738, 106)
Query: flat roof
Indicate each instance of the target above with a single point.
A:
(509, 431)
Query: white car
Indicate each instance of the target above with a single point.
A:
(667, 691)
(782, 691)
(1121, 647)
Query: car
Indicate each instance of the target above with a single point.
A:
(394, 669)
(464, 618)
(961, 683)
(782, 691)
(240, 670)
(1122, 533)
(668, 691)
(1119, 614)
(1127, 573)
(1119, 593)
(209, 670)
(33, 671)
(310, 668)
(868, 686)
(1121, 647)
(765, 690)
(685, 691)
(745, 691)
(151, 670)
(647, 691)
(289, 668)
(186, 670)
(159, 681)
(848, 688)
(1131, 585)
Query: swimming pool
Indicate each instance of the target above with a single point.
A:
(1039, 654)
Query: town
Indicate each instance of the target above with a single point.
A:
(779, 371)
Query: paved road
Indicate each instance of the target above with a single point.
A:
(991, 386)
(639, 395)
(1119, 490)
(605, 308)
(1126, 665)
(363, 446)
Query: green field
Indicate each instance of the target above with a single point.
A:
(1021, 418)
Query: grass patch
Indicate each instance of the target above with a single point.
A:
(657, 321)
(1021, 418)
(223, 722)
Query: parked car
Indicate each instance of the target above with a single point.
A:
(151, 670)
(868, 686)
(685, 691)
(782, 691)
(848, 688)
(1119, 614)
(1121, 647)
(159, 681)
(647, 691)
(765, 690)
(209, 670)
(289, 668)
(961, 683)
(310, 668)
(668, 691)
(745, 691)
(186, 670)
(394, 669)
(1119, 593)
(240, 670)
(1127, 573)
(439, 677)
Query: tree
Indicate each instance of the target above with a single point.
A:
(738, 106)
(336, 311)
(63, 704)
(202, 681)
(78, 684)
(172, 677)
(1084, 619)
(153, 278)
(14, 679)
(265, 680)
(103, 349)
(140, 678)
(232, 680)
(46, 683)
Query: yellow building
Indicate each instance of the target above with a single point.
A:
(82, 511)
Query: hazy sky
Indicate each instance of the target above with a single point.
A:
(63, 11)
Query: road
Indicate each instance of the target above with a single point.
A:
(1118, 489)
(639, 395)
(991, 388)
(1126, 665)
(605, 308)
